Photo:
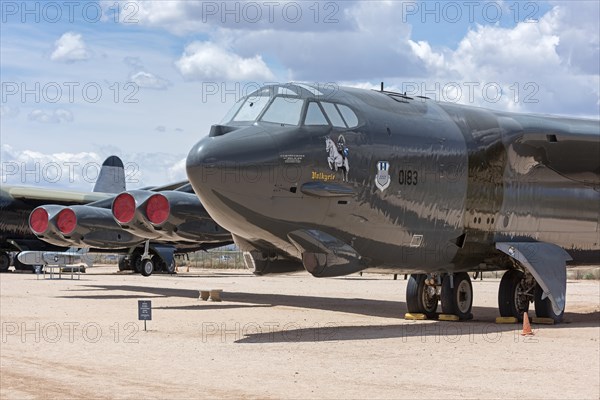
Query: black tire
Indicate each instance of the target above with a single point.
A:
(147, 267)
(508, 304)
(136, 262)
(123, 264)
(543, 308)
(458, 300)
(170, 268)
(4, 262)
(416, 297)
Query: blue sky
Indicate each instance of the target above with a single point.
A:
(80, 82)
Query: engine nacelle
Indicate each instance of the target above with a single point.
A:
(43, 223)
(181, 216)
(129, 212)
(89, 226)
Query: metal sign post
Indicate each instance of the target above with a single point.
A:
(145, 311)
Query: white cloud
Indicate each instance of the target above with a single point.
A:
(183, 17)
(79, 170)
(205, 60)
(177, 172)
(327, 42)
(525, 61)
(51, 117)
(142, 78)
(370, 40)
(69, 48)
(8, 111)
(148, 80)
(579, 46)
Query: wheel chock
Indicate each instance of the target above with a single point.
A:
(448, 317)
(413, 316)
(506, 320)
(215, 295)
(543, 321)
(204, 294)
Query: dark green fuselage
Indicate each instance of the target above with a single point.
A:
(459, 180)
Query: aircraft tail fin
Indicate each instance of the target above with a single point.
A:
(112, 176)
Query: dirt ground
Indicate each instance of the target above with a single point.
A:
(280, 337)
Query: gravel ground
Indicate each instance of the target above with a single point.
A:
(280, 337)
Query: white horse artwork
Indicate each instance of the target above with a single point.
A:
(335, 159)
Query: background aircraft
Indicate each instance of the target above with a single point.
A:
(71, 220)
(340, 180)
(151, 226)
(17, 202)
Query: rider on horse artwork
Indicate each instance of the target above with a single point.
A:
(338, 156)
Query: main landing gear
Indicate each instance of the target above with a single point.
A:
(517, 291)
(454, 291)
(4, 261)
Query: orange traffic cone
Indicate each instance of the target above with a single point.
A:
(526, 326)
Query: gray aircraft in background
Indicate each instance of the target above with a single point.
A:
(339, 180)
(17, 202)
(149, 226)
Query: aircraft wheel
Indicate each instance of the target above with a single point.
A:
(421, 298)
(458, 300)
(543, 308)
(147, 267)
(170, 268)
(136, 262)
(4, 262)
(123, 264)
(514, 294)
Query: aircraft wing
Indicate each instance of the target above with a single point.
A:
(569, 150)
(33, 195)
(168, 186)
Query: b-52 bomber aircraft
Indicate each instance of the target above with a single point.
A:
(337, 180)
(151, 226)
(17, 202)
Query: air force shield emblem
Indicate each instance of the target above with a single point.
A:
(382, 179)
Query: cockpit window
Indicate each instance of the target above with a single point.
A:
(285, 107)
(287, 91)
(333, 114)
(232, 111)
(349, 116)
(284, 110)
(252, 108)
(314, 115)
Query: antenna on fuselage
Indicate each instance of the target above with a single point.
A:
(382, 86)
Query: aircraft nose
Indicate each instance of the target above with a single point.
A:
(230, 164)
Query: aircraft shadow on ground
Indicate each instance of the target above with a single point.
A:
(482, 329)
(211, 306)
(144, 291)
(428, 331)
(431, 332)
(368, 307)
